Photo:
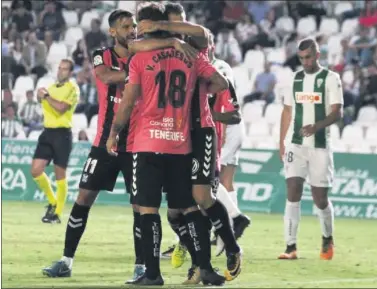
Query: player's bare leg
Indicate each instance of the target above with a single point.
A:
(75, 229)
(40, 177)
(326, 219)
(220, 220)
(292, 216)
(239, 220)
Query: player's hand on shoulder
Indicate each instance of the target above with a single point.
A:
(190, 52)
(147, 26)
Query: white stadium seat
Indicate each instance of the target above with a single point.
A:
(57, 52)
(306, 26)
(45, 81)
(127, 5)
(273, 113)
(242, 82)
(247, 143)
(339, 146)
(71, 18)
(329, 26)
(93, 121)
(348, 77)
(22, 84)
(252, 112)
(276, 55)
(105, 22)
(254, 60)
(34, 134)
(349, 27)
(352, 133)
(72, 36)
(371, 135)
(285, 25)
(367, 114)
(259, 129)
(267, 143)
(87, 18)
(342, 6)
(80, 121)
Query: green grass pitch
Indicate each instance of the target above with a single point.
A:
(105, 255)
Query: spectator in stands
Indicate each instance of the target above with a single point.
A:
(52, 19)
(263, 87)
(22, 18)
(246, 32)
(48, 39)
(95, 38)
(10, 126)
(87, 87)
(80, 54)
(227, 48)
(268, 36)
(34, 56)
(30, 113)
(7, 101)
(6, 21)
(292, 59)
(233, 12)
(12, 33)
(368, 88)
(362, 46)
(323, 49)
(16, 49)
(83, 136)
(258, 9)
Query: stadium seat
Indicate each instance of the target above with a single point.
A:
(360, 148)
(276, 130)
(334, 47)
(45, 81)
(247, 143)
(80, 121)
(71, 18)
(57, 52)
(22, 84)
(273, 113)
(87, 18)
(335, 132)
(34, 134)
(349, 27)
(267, 143)
(347, 77)
(276, 55)
(339, 146)
(93, 122)
(341, 7)
(285, 25)
(367, 114)
(242, 82)
(352, 133)
(252, 112)
(127, 5)
(254, 60)
(329, 26)
(72, 36)
(371, 135)
(306, 26)
(91, 133)
(105, 22)
(259, 129)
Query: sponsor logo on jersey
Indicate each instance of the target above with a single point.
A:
(97, 60)
(115, 99)
(308, 97)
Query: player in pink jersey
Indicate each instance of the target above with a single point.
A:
(204, 156)
(161, 82)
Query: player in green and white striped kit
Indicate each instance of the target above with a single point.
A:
(314, 102)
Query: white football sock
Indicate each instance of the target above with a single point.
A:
(233, 196)
(224, 197)
(292, 216)
(68, 261)
(326, 219)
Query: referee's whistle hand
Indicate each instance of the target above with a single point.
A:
(110, 146)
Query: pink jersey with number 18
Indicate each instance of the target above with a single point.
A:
(167, 81)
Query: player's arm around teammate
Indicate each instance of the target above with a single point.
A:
(55, 143)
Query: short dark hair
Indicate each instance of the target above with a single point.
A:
(71, 63)
(153, 11)
(117, 14)
(173, 8)
(308, 43)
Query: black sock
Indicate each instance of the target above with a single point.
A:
(151, 233)
(75, 228)
(199, 232)
(179, 226)
(220, 220)
(138, 246)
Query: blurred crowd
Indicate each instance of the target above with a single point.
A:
(32, 31)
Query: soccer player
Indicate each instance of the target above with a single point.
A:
(230, 150)
(55, 143)
(101, 170)
(314, 102)
(160, 81)
(204, 156)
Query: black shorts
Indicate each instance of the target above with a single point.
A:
(101, 171)
(204, 148)
(54, 144)
(155, 172)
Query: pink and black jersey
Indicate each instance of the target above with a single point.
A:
(167, 81)
(109, 97)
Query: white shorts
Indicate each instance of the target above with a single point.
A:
(230, 152)
(315, 163)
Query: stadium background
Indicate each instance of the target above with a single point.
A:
(258, 39)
